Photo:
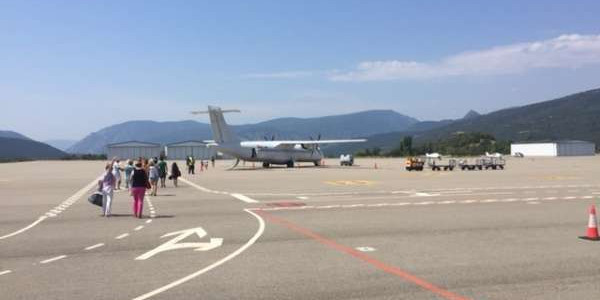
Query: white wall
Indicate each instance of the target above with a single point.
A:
(534, 149)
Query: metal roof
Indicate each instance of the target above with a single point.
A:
(187, 143)
(133, 144)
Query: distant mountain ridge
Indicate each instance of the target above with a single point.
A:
(339, 126)
(12, 134)
(573, 117)
(61, 144)
(19, 148)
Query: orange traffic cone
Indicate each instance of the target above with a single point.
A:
(592, 231)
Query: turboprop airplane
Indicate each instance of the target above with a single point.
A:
(286, 152)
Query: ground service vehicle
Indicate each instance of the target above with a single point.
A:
(346, 160)
(465, 165)
(438, 165)
(414, 163)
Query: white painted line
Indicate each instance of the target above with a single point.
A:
(532, 202)
(139, 228)
(148, 221)
(588, 197)
(5, 272)
(468, 201)
(94, 246)
(489, 201)
(569, 198)
(447, 202)
(531, 199)
(424, 203)
(550, 198)
(195, 185)
(365, 249)
(251, 241)
(302, 197)
(52, 259)
(73, 198)
(122, 236)
(353, 205)
(40, 219)
(426, 195)
(400, 204)
(244, 198)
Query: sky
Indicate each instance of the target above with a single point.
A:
(69, 68)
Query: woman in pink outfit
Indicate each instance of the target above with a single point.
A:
(139, 184)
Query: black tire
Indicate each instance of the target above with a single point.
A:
(501, 167)
(266, 165)
(290, 164)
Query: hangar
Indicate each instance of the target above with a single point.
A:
(557, 148)
(133, 150)
(196, 149)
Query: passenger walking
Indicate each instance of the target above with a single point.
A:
(175, 173)
(116, 171)
(162, 172)
(108, 186)
(139, 184)
(212, 161)
(153, 175)
(190, 163)
(128, 170)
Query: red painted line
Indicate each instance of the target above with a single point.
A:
(362, 256)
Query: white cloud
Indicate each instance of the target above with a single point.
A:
(565, 51)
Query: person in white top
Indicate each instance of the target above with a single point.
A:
(116, 171)
(107, 185)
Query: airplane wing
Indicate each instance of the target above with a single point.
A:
(275, 144)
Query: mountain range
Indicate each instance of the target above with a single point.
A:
(22, 147)
(341, 126)
(575, 116)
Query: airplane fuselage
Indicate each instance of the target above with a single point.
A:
(281, 156)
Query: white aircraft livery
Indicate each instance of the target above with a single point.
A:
(268, 152)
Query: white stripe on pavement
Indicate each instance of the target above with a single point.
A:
(94, 246)
(52, 259)
(244, 198)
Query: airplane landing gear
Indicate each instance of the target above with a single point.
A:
(290, 164)
(266, 165)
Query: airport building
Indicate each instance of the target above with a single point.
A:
(558, 148)
(196, 149)
(133, 150)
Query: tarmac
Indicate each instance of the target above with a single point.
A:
(326, 232)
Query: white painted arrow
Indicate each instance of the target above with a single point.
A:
(173, 244)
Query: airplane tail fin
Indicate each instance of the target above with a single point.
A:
(222, 133)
